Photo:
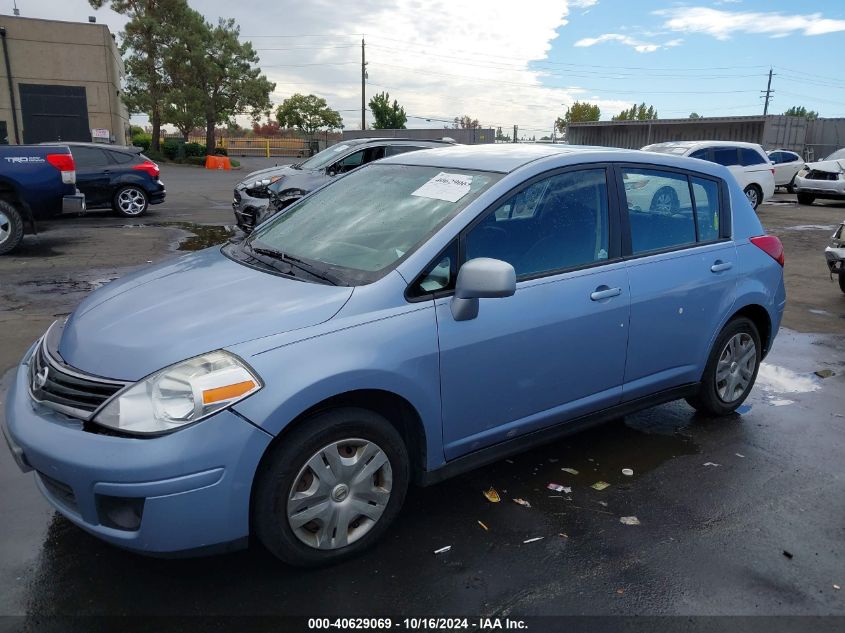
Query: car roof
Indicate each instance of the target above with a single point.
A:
(696, 144)
(499, 157)
(397, 140)
(130, 149)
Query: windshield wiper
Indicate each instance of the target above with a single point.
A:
(297, 263)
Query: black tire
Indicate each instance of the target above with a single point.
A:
(281, 469)
(707, 400)
(806, 198)
(11, 228)
(130, 201)
(757, 193)
(842, 282)
(671, 194)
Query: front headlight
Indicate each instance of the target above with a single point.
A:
(804, 171)
(181, 394)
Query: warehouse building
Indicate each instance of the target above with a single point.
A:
(60, 81)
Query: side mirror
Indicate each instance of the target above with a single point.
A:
(481, 278)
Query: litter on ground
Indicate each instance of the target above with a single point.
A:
(629, 520)
(739, 454)
(443, 550)
(627, 472)
(492, 496)
(824, 373)
(837, 587)
(559, 488)
(484, 527)
(532, 540)
(787, 554)
(710, 464)
(571, 471)
(600, 485)
(522, 502)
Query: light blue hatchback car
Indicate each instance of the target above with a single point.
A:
(427, 314)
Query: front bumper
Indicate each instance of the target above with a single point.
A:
(832, 189)
(247, 209)
(835, 258)
(188, 490)
(74, 203)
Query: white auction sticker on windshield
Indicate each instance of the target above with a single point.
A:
(339, 148)
(445, 186)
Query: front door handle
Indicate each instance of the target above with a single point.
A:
(718, 266)
(603, 292)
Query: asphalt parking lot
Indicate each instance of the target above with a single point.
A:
(758, 531)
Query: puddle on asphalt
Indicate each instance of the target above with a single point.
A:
(68, 286)
(809, 227)
(204, 235)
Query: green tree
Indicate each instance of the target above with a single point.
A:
(225, 74)
(308, 113)
(637, 113)
(147, 42)
(812, 115)
(387, 116)
(465, 122)
(500, 136)
(694, 115)
(576, 113)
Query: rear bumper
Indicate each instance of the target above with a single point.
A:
(158, 194)
(74, 203)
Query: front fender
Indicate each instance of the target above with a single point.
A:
(398, 354)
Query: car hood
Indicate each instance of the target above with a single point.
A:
(279, 170)
(185, 307)
(832, 166)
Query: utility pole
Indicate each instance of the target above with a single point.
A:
(768, 93)
(363, 85)
(515, 128)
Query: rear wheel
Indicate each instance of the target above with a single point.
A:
(330, 488)
(130, 202)
(806, 198)
(754, 195)
(731, 369)
(11, 228)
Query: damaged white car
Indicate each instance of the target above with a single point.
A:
(835, 255)
(823, 179)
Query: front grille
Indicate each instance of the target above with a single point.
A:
(815, 174)
(237, 196)
(59, 387)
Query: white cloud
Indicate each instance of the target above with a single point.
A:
(722, 24)
(637, 45)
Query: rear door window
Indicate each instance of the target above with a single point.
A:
(89, 157)
(120, 158)
(660, 212)
(726, 156)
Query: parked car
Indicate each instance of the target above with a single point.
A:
(746, 161)
(35, 182)
(118, 177)
(823, 179)
(835, 255)
(787, 165)
(286, 184)
(424, 315)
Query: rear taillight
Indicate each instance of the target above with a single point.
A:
(773, 171)
(64, 163)
(771, 246)
(148, 166)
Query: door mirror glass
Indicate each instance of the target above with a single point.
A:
(481, 278)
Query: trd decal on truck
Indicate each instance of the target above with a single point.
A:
(25, 159)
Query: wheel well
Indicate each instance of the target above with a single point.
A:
(8, 192)
(394, 408)
(758, 315)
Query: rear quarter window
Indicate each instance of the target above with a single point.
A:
(120, 158)
(749, 157)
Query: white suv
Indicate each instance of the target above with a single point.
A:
(746, 161)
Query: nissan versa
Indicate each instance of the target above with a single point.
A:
(426, 314)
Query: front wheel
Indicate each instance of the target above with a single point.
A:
(806, 198)
(731, 369)
(331, 487)
(754, 195)
(11, 228)
(130, 202)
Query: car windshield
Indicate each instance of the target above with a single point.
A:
(363, 224)
(837, 155)
(320, 160)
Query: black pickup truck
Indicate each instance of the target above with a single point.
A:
(36, 181)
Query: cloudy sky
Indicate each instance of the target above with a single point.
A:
(506, 62)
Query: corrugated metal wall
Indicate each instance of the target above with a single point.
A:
(824, 136)
(467, 137)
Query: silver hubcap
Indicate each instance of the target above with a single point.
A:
(340, 494)
(5, 227)
(131, 201)
(736, 367)
(751, 194)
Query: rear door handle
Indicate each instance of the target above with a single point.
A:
(718, 266)
(603, 292)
